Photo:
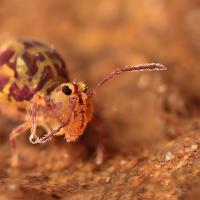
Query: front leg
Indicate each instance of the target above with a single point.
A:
(100, 146)
(37, 103)
(73, 100)
(15, 133)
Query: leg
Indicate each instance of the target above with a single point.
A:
(16, 132)
(37, 102)
(49, 136)
(100, 146)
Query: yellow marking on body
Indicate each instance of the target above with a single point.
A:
(6, 88)
(15, 44)
(47, 61)
(21, 70)
(7, 101)
(18, 47)
(7, 71)
(41, 65)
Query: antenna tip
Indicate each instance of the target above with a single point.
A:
(160, 66)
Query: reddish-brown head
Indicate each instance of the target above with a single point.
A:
(60, 97)
(70, 100)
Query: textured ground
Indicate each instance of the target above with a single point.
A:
(151, 120)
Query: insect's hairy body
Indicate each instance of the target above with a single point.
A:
(35, 88)
(32, 77)
(27, 67)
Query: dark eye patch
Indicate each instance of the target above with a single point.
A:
(85, 90)
(66, 90)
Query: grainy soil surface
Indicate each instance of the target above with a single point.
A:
(151, 119)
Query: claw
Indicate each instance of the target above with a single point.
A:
(34, 139)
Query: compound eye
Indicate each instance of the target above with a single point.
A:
(66, 90)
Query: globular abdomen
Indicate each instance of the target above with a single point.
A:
(27, 67)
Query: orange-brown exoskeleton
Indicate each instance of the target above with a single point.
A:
(35, 88)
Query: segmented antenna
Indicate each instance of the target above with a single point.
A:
(133, 68)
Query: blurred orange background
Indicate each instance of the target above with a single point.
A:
(94, 37)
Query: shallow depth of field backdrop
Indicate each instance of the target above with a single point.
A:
(151, 119)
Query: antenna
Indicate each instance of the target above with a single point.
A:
(118, 71)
